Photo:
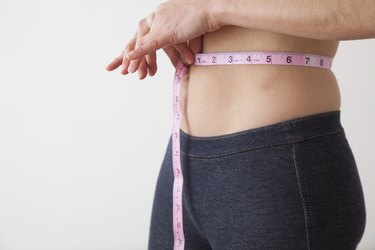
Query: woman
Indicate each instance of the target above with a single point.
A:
(265, 159)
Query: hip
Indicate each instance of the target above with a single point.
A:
(293, 184)
(290, 185)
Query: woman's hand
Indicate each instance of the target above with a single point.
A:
(175, 26)
(175, 54)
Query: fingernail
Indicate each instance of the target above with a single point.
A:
(123, 71)
(184, 61)
(190, 61)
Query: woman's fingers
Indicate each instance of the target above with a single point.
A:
(142, 70)
(148, 62)
(149, 44)
(148, 21)
(130, 46)
(175, 53)
(151, 58)
(143, 29)
(115, 63)
(172, 53)
(173, 23)
(151, 64)
(196, 44)
(187, 55)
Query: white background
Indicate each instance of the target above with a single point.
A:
(80, 147)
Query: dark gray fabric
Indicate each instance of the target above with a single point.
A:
(290, 185)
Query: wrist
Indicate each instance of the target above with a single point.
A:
(216, 14)
(236, 12)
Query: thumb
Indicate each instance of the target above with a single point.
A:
(173, 54)
(196, 44)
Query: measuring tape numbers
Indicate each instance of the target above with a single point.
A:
(221, 58)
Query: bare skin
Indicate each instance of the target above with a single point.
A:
(224, 99)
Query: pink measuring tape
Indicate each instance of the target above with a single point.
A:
(221, 58)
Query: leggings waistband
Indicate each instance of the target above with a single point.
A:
(289, 131)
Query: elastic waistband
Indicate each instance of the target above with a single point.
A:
(288, 131)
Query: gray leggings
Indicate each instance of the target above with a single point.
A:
(293, 185)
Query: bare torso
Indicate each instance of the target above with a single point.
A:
(223, 99)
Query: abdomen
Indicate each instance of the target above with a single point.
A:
(224, 99)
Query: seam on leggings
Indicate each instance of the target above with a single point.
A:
(259, 147)
(303, 195)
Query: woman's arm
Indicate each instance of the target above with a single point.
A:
(177, 24)
(316, 19)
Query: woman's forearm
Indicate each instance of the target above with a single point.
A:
(315, 19)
